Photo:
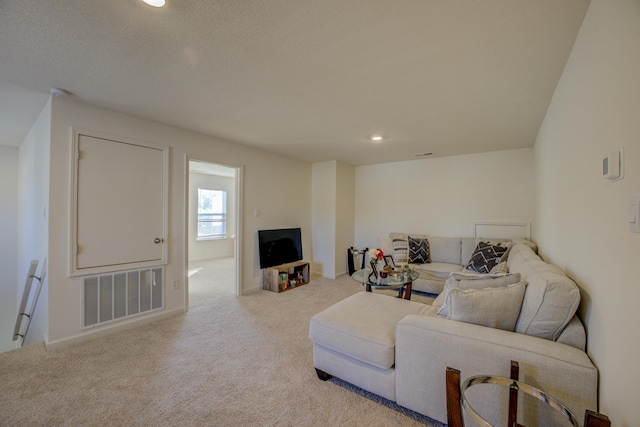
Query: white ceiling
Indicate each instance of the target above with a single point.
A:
(311, 79)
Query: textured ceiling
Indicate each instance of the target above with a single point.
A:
(311, 79)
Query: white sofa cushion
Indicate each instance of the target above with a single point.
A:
(529, 243)
(433, 276)
(551, 299)
(445, 250)
(492, 307)
(363, 326)
(466, 282)
(436, 270)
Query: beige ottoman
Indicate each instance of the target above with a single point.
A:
(354, 340)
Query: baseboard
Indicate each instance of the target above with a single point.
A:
(251, 290)
(317, 275)
(110, 329)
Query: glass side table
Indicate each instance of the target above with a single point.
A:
(457, 400)
(402, 283)
(513, 385)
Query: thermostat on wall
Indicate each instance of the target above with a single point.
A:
(611, 166)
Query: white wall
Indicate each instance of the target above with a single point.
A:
(333, 209)
(276, 186)
(582, 218)
(217, 248)
(8, 254)
(33, 216)
(443, 196)
(345, 214)
(323, 208)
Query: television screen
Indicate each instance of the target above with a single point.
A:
(279, 246)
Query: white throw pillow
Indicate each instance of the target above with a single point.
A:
(472, 282)
(440, 300)
(492, 307)
(400, 250)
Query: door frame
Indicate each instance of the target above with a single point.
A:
(237, 250)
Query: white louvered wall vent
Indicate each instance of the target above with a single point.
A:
(115, 296)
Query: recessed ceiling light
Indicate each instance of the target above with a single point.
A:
(376, 138)
(155, 3)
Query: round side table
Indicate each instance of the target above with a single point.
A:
(513, 385)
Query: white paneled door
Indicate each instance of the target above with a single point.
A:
(120, 204)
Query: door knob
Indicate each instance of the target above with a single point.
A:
(158, 240)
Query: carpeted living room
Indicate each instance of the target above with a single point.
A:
(228, 361)
(363, 123)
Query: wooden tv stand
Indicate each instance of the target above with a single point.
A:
(279, 278)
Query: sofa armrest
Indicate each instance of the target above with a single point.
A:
(427, 345)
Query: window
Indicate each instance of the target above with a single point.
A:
(212, 214)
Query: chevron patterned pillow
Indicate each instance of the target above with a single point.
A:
(485, 257)
(418, 250)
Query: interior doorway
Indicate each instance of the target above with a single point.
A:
(213, 209)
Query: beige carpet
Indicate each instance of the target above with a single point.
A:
(229, 361)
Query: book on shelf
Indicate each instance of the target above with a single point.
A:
(283, 282)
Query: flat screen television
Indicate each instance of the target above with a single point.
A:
(279, 246)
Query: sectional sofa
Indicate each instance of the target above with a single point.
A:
(446, 255)
(400, 349)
